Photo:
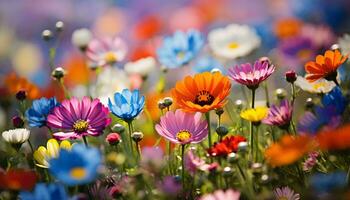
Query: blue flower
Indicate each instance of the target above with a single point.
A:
(127, 104)
(76, 167)
(335, 98)
(180, 49)
(206, 64)
(37, 114)
(328, 182)
(45, 192)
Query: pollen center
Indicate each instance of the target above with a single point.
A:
(233, 45)
(80, 126)
(319, 85)
(183, 136)
(78, 173)
(110, 57)
(180, 55)
(204, 98)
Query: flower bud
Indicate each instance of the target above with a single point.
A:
(17, 122)
(239, 104)
(291, 76)
(58, 73)
(118, 128)
(46, 35)
(161, 105)
(242, 147)
(227, 171)
(137, 136)
(113, 138)
(221, 131)
(81, 38)
(167, 101)
(335, 47)
(219, 111)
(256, 168)
(280, 93)
(232, 158)
(309, 104)
(215, 70)
(21, 95)
(59, 26)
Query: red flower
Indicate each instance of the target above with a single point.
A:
(18, 179)
(227, 145)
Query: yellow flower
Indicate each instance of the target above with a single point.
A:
(42, 155)
(255, 114)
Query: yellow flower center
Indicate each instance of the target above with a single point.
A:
(233, 45)
(283, 198)
(204, 98)
(180, 55)
(183, 136)
(80, 126)
(78, 173)
(110, 57)
(319, 85)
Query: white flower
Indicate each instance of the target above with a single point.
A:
(16, 136)
(319, 86)
(233, 41)
(344, 44)
(81, 38)
(143, 66)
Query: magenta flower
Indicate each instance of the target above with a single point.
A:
(194, 163)
(182, 128)
(286, 193)
(79, 118)
(279, 115)
(222, 195)
(106, 51)
(251, 75)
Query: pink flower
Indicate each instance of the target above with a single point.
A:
(182, 127)
(79, 118)
(194, 163)
(106, 51)
(279, 115)
(311, 161)
(285, 193)
(251, 75)
(221, 195)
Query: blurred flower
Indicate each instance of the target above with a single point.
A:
(321, 36)
(27, 59)
(41, 108)
(344, 43)
(143, 66)
(288, 150)
(285, 193)
(222, 195)
(255, 114)
(279, 115)
(298, 48)
(226, 146)
(106, 51)
(76, 167)
(170, 186)
(182, 128)
(202, 93)
(113, 138)
(43, 155)
(14, 84)
(100, 190)
(180, 48)
(79, 118)
(152, 158)
(311, 161)
(233, 41)
(194, 163)
(18, 179)
(336, 99)
(45, 191)
(291, 76)
(251, 75)
(81, 38)
(327, 182)
(318, 86)
(206, 64)
(16, 136)
(147, 27)
(288, 27)
(128, 104)
(336, 139)
(325, 66)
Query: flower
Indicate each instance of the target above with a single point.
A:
(318, 86)
(255, 114)
(202, 93)
(152, 158)
(16, 136)
(76, 167)
(128, 104)
(285, 193)
(81, 38)
(251, 75)
(143, 66)
(311, 161)
(106, 51)
(298, 48)
(291, 76)
(325, 66)
(344, 43)
(41, 108)
(170, 186)
(336, 99)
(45, 191)
(288, 150)
(15, 84)
(113, 138)
(206, 64)
(324, 183)
(18, 179)
(226, 146)
(17, 122)
(279, 115)
(222, 195)
(194, 163)
(182, 128)
(79, 118)
(180, 48)
(336, 139)
(43, 155)
(288, 27)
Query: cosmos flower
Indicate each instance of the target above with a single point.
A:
(226, 146)
(143, 66)
(222, 195)
(251, 75)
(344, 44)
(15, 84)
(43, 191)
(202, 93)
(76, 167)
(233, 41)
(285, 193)
(16, 136)
(79, 118)
(106, 51)
(43, 155)
(18, 179)
(325, 66)
(41, 108)
(182, 128)
(179, 49)
(128, 104)
(255, 115)
(319, 86)
(279, 115)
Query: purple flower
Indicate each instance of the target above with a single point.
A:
(79, 118)
(285, 193)
(152, 158)
(221, 195)
(279, 115)
(251, 75)
(170, 186)
(311, 161)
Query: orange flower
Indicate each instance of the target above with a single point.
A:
(286, 28)
(202, 93)
(334, 139)
(18, 179)
(15, 84)
(325, 66)
(288, 150)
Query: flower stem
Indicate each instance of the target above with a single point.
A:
(65, 91)
(183, 167)
(251, 126)
(138, 150)
(31, 146)
(85, 141)
(130, 139)
(253, 97)
(267, 95)
(207, 117)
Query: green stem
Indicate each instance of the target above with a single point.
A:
(251, 126)
(244, 93)
(207, 117)
(253, 98)
(65, 91)
(85, 141)
(138, 150)
(267, 94)
(31, 146)
(293, 93)
(183, 167)
(130, 139)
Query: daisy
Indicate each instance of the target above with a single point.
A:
(16, 136)
(320, 86)
(285, 193)
(255, 115)
(279, 115)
